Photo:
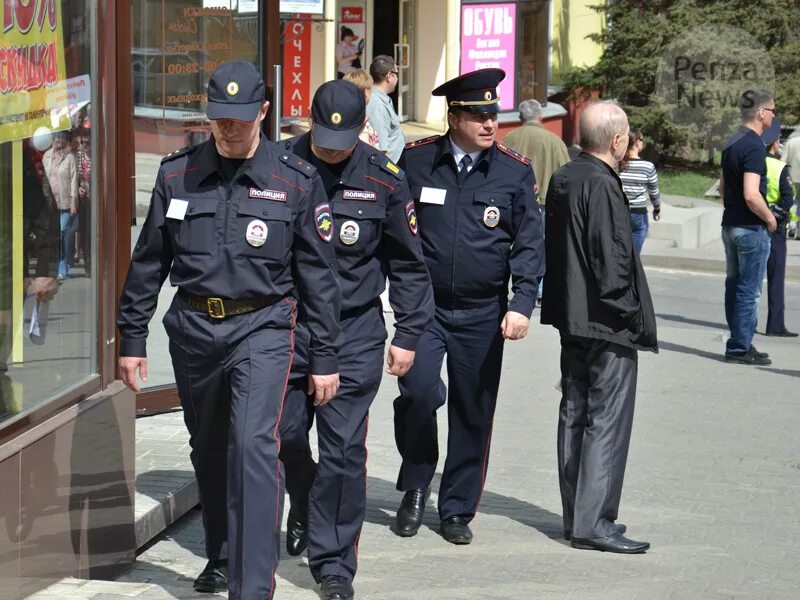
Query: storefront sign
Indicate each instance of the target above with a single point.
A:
(297, 69)
(33, 90)
(488, 40)
(352, 14)
(308, 7)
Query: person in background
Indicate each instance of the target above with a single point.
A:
(639, 181)
(780, 197)
(747, 222)
(380, 110)
(596, 295)
(791, 156)
(83, 238)
(346, 52)
(363, 81)
(61, 170)
(546, 151)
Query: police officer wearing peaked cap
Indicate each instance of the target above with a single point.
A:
(479, 223)
(375, 236)
(236, 227)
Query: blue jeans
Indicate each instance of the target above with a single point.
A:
(69, 225)
(639, 226)
(746, 253)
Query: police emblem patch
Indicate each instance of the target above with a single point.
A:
(411, 216)
(349, 233)
(233, 88)
(491, 216)
(324, 222)
(256, 234)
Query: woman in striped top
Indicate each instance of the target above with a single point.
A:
(639, 180)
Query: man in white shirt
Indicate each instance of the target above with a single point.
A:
(791, 156)
(380, 110)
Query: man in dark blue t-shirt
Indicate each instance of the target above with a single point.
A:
(745, 224)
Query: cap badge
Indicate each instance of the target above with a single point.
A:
(336, 118)
(233, 88)
(491, 216)
(256, 233)
(487, 95)
(349, 233)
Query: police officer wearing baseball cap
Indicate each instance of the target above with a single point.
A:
(479, 223)
(237, 227)
(780, 197)
(375, 236)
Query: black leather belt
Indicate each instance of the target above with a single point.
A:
(219, 308)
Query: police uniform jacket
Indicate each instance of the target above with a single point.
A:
(595, 286)
(471, 249)
(375, 235)
(202, 244)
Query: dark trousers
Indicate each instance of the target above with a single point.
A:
(231, 376)
(337, 497)
(472, 341)
(598, 391)
(776, 277)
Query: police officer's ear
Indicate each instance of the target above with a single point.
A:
(263, 112)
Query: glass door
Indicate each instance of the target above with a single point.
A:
(402, 56)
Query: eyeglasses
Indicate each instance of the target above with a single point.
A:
(395, 73)
(772, 110)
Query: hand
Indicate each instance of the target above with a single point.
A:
(399, 361)
(45, 288)
(324, 388)
(73, 210)
(82, 192)
(656, 215)
(128, 365)
(772, 224)
(514, 326)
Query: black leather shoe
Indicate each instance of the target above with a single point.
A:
(456, 531)
(296, 532)
(214, 578)
(620, 529)
(753, 350)
(784, 333)
(335, 587)
(411, 511)
(753, 357)
(611, 543)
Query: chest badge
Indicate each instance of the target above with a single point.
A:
(349, 233)
(491, 216)
(256, 234)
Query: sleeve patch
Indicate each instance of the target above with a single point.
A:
(323, 220)
(411, 216)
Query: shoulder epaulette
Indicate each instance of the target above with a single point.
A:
(385, 163)
(176, 154)
(298, 164)
(514, 154)
(422, 142)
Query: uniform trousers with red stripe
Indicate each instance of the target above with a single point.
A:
(470, 339)
(231, 376)
(337, 498)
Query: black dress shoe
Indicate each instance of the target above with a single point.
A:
(751, 357)
(456, 531)
(214, 578)
(611, 543)
(335, 587)
(620, 529)
(753, 350)
(296, 532)
(411, 511)
(784, 333)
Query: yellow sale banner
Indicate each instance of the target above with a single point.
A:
(33, 86)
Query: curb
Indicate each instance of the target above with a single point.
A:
(167, 511)
(703, 265)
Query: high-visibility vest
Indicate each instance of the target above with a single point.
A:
(774, 170)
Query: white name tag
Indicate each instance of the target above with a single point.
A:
(177, 209)
(433, 196)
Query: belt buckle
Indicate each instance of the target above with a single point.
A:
(216, 308)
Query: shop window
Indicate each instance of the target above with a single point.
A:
(48, 203)
(533, 57)
(177, 44)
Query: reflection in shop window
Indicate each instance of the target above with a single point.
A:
(48, 323)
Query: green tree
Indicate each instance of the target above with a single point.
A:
(637, 42)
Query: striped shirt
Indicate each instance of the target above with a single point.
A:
(640, 180)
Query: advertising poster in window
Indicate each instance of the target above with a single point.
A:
(33, 87)
(488, 40)
(307, 7)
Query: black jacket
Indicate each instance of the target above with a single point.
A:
(594, 285)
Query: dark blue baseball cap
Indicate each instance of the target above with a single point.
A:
(772, 133)
(338, 111)
(235, 91)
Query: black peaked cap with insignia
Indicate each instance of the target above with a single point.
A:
(474, 92)
(235, 91)
(338, 111)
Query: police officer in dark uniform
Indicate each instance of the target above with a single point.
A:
(237, 227)
(479, 222)
(375, 237)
